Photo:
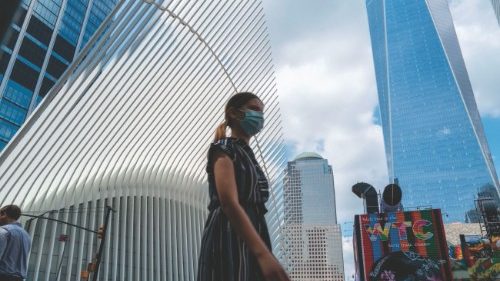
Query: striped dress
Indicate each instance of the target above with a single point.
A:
(224, 256)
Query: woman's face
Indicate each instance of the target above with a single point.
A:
(246, 121)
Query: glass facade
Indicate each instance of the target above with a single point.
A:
(434, 139)
(311, 196)
(313, 239)
(46, 37)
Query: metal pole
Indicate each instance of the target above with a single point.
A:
(60, 221)
(101, 245)
(61, 262)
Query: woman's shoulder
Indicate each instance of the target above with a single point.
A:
(225, 145)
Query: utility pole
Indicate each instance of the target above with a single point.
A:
(101, 234)
(102, 231)
(64, 239)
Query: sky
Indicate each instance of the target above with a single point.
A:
(328, 97)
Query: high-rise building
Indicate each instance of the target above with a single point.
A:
(312, 237)
(434, 140)
(496, 7)
(46, 36)
(128, 126)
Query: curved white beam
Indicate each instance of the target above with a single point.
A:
(129, 125)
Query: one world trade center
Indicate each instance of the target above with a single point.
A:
(434, 140)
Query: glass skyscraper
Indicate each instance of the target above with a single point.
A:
(46, 37)
(434, 139)
(313, 239)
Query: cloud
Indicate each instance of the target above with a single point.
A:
(479, 37)
(325, 110)
(326, 83)
(327, 88)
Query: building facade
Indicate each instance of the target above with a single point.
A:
(313, 239)
(128, 126)
(434, 140)
(46, 36)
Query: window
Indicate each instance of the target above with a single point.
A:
(12, 112)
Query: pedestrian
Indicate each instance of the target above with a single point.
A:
(235, 245)
(15, 245)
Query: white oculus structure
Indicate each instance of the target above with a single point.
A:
(128, 125)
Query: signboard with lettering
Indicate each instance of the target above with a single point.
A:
(401, 246)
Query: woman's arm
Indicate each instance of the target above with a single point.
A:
(225, 183)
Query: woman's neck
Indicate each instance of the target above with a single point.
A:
(236, 133)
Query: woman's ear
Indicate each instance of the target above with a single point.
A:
(235, 114)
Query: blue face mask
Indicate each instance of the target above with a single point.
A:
(253, 122)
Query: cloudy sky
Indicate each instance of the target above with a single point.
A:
(326, 83)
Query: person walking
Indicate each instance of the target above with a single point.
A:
(235, 245)
(15, 244)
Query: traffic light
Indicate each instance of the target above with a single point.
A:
(91, 266)
(63, 238)
(100, 232)
(84, 274)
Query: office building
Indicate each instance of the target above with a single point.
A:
(128, 125)
(312, 237)
(434, 140)
(46, 36)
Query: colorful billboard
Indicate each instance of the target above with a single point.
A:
(401, 246)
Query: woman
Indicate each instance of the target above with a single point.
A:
(235, 244)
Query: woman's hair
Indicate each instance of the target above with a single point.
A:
(235, 102)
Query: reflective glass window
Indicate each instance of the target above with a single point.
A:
(12, 112)
(7, 130)
(24, 75)
(18, 94)
(32, 52)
